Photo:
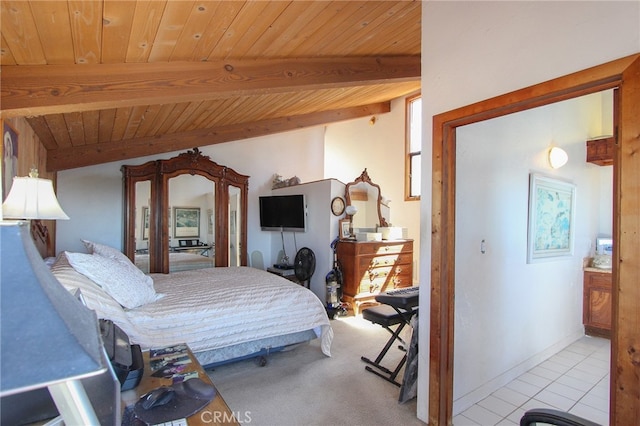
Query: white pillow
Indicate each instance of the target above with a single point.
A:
(113, 253)
(127, 287)
(95, 296)
(105, 251)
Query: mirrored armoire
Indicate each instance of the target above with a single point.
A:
(155, 226)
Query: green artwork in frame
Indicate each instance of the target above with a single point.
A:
(551, 218)
(186, 222)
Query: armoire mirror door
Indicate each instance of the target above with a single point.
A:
(144, 239)
(140, 190)
(235, 237)
(206, 212)
(190, 197)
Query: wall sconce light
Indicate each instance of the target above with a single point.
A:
(557, 157)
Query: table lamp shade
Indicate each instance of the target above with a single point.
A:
(32, 198)
(47, 335)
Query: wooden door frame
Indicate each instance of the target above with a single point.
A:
(623, 74)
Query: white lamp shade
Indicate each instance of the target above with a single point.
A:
(557, 157)
(351, 210)
(32, 198)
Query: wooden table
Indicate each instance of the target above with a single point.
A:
(285, 273)
(217, 412)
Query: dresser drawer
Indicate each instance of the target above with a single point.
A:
(385, 283)
(385, 271)
(366, 262)
(381, 248)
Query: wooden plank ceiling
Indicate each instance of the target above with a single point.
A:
(107, 80)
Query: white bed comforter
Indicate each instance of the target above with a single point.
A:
(219, 307)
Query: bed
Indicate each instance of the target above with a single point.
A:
(178, 261)
(223, 313)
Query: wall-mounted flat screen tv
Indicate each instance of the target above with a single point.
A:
(283, 213)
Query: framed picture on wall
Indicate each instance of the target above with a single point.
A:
(345, 229)
(551, 218)
(9, 165)
(186, 222)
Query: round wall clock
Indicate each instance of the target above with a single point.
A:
(337, 206)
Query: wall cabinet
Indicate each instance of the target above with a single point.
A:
(371, 267)
(600, 151)
(596, 306)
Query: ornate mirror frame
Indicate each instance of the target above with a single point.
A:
(364, 178)
(159, 172)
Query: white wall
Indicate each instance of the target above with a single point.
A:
(515, 313)
(92, 196)
(473, 51)
(354, 145)
(322, 229)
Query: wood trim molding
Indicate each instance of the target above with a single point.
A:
(623, 73)
(625, 339)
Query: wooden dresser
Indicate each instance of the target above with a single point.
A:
(371, 267)
(596, 306)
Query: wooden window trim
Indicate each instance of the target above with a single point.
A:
(407, 149)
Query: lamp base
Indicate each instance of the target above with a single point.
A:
(41, 238)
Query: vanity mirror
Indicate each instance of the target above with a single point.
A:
(370, 266)
(366, 197)
(185, 198)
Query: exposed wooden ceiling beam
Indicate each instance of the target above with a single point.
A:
(32, 90)
(88, 155)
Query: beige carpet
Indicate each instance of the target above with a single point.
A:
(303, 387)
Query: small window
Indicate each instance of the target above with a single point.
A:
(413, 170)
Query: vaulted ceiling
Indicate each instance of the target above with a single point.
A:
(108, 80)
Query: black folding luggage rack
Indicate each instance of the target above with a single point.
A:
(398, 310)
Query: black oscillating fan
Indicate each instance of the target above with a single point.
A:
(304, 265)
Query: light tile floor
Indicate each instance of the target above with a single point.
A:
(575, 379)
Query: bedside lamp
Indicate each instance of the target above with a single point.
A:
(32, 198)
(351, 210)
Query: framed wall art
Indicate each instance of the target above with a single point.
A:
(9, 165)
(551, 218)
(345, 229)
(186, 222)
